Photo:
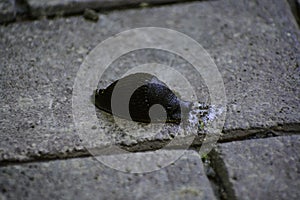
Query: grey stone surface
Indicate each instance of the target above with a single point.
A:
(261, 168)
(7, 11)
(54, 7)
(255, 45)
(86, 178)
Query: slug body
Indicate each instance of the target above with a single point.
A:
(143, 91)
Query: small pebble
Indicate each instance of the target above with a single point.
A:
(90, 15)
(144, 5)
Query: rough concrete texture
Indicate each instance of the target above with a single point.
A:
(255, 45)
(54, 7)
(7, 11)
(86, 178)
(260, 168)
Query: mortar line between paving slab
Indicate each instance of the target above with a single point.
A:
(86, 153)
(26, 15)
(229, 136)
(294, 6)
(221, 179)
(255, 133)
(214, 179)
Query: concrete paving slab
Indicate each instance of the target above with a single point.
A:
(54, 7)
(260, 168)
(86, 178)
(7, 11)
(256, 48)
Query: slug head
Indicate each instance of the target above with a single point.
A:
(103, 99)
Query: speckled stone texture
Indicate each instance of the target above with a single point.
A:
(86, 178)
(261, 168)
(255, 45)
(7, 11)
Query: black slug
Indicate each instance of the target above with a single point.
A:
(150, 91)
